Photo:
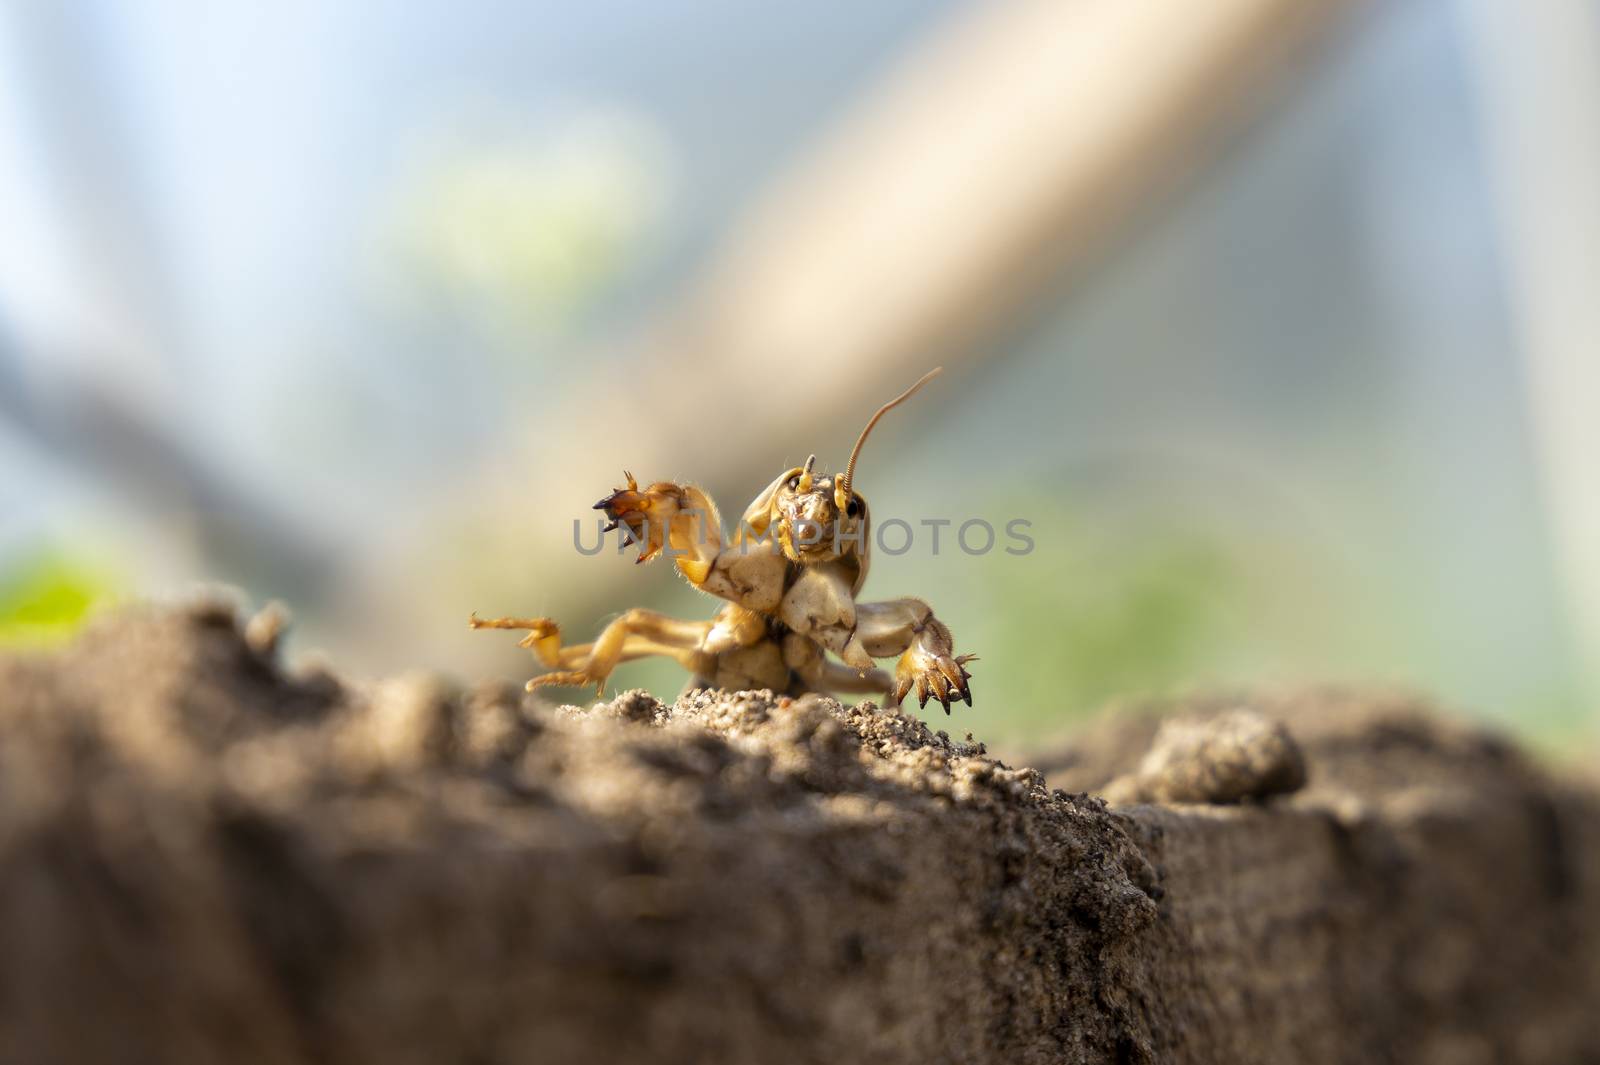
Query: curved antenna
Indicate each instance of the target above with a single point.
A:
(841, 487)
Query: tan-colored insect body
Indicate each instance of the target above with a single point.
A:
(790, 576)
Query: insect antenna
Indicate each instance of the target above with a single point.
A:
(841, 487)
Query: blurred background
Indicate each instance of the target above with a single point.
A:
(1275, 319)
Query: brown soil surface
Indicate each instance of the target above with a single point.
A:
(206, 858)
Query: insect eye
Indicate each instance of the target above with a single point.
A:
(854, 509)
(794, 482)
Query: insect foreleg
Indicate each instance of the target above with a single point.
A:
(907, 627)
(680, 519)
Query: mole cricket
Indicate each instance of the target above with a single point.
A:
(790, 577)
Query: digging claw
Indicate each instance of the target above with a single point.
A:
(644, 514)
(935, 676)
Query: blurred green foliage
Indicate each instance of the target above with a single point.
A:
(1096, 614)
(526, 232)
(45, 595)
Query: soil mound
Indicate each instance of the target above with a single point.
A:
(206, 857)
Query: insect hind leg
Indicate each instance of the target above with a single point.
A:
(543, 639)
(636, 634)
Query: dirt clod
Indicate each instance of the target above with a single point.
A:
(265, 629)
(1228, 757)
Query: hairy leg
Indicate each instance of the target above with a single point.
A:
(682, 521)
